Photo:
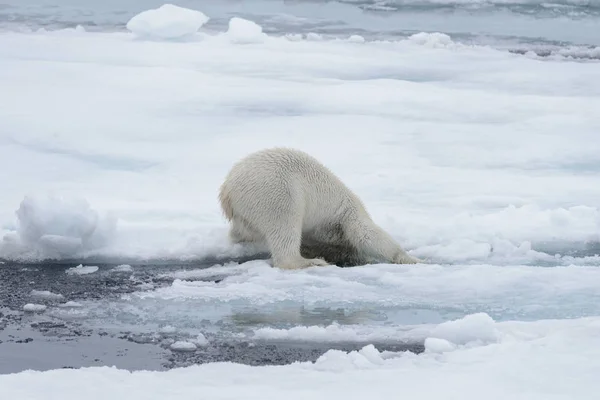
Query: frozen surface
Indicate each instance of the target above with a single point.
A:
(483, 162)
(82, 270)
(167, 22)
(554, 360)
(466, 159)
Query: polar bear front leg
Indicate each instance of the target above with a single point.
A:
(284, 238)
(284, 244)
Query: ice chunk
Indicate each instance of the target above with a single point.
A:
(436, 345)
(337, 360)
(81, 270)
(434, 40)
(46, 295)
(339, 333)
(183, 346)
(314, 37)
(475, 328)
(71, 304)
(167, 22)
(294, 37)
(356, 39)
(167, 330)
(55, 227)
(123, 268)
(30, 307)
(201, 340)
(243, 31)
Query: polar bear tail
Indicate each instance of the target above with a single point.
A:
(226, 203)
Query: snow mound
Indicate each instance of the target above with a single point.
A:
(356, 39)
(337, 360)
(55, 227)
(243, 31)
(434, 40)
(34, 307)
(81, 270)
(167, 22)
(183, 346)
(475, 329)
(46, 295)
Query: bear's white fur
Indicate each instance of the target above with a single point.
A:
(288, 200)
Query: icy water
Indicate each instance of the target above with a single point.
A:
(88, 322)
(517, 25)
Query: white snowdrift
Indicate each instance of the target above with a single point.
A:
(55, 227)
(167, 22)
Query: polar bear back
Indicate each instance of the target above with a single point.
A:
(282, 177)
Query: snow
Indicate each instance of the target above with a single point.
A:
(81, 270)
(46, 295)
(30, 307)
(243, 31)
(167, 22)
(183, 346)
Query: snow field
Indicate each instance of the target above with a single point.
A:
(494, 180)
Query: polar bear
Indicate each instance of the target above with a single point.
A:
(290, 202)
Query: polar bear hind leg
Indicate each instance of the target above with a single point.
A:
(240, 232)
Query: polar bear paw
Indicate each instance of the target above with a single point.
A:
(301, 263)
(403, 258)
